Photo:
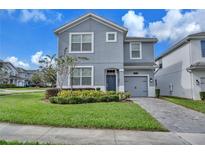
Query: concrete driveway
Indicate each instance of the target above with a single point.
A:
(174, 117)
(54, 135)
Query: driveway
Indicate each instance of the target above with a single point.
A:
(174, 117)
(54, 135)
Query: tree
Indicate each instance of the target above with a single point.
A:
(36, 78)
(65, 66)
(48, 69)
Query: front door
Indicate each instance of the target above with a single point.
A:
(136, 86)
(111, 82)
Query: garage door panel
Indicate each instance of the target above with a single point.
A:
(136, 86)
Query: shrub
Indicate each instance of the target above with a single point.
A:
(51, 92)
(8, 86)
(157, 92)
(202, 95)
(124, 96)
(84, 93)
(87, 96)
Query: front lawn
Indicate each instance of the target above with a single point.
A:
(26, 88)
(3, 142)
(29, 108)
(195, 105)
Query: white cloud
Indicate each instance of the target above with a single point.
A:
(173, 26)
(36, 57)
(35, 15)
(59, 16)
(17, 63)
(134, 23)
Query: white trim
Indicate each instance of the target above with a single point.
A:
(143, 75)
(140, 67)
(122, 88)
(93, 16)
(81, 33)
(115, 37)
(140, 50)
(92, 77)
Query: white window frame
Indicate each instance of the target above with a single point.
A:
(92, 77)
(107, 40)
(81, 33)
(140, 57)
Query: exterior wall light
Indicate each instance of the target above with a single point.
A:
(197, 82)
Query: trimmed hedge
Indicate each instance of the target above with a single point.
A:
(54, 91)
(202, 95)
(157, 92)
(8, 86)
(87, 96)
(82, 100)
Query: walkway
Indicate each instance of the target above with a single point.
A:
(53, 135)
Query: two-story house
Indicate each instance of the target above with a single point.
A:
(115, 62)
(182, 68)
(15, 75)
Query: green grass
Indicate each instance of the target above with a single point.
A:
(26, 88)
(3, 142)
(191, 104)
(29, 108)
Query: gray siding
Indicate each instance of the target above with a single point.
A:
(147, 53)
(104, 52)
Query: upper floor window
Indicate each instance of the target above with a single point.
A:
(203, 48)
(81, 42)
(135, 50)
(111, 36)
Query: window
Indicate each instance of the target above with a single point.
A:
(135, 50)
(81, 42)
(203, 48)
(111, 37)
(82, 76)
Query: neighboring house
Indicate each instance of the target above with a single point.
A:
(116, 62)
(182, 68)
(15, 75)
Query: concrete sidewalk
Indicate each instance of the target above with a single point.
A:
(53, 135)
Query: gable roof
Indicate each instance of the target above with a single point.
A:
(200, 35)
(89, 16)
(8, 63)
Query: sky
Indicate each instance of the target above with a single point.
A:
(27, 35)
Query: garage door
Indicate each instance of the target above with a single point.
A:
(136, 86)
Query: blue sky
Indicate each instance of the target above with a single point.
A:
(27, 33)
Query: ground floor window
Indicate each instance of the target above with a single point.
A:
(82, 76)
